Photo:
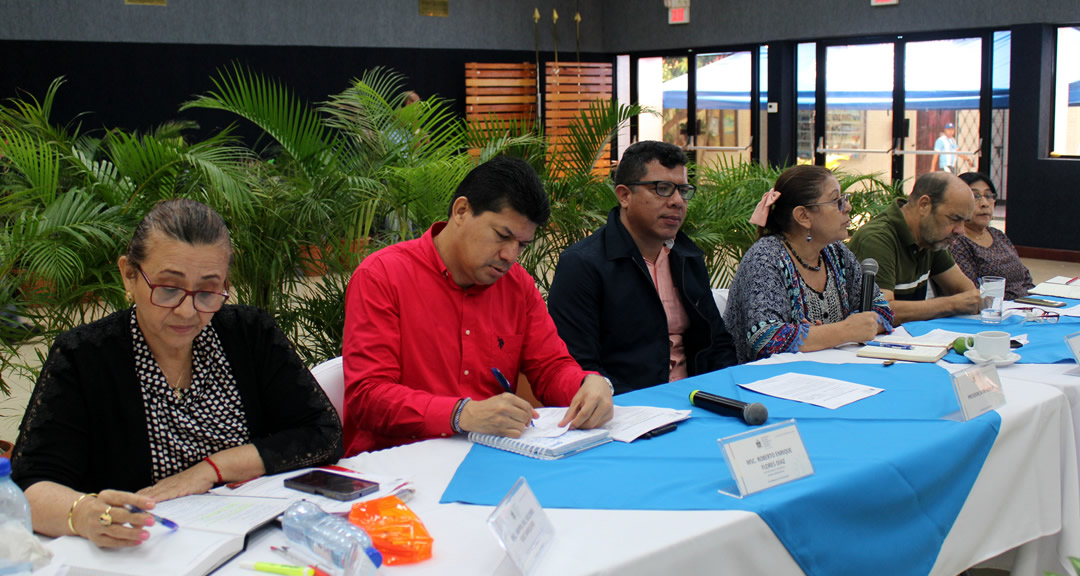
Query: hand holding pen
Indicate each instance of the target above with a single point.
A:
(501, 379)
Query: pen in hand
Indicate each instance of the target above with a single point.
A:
(161, 519)
(503, 382)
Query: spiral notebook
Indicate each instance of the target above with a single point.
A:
(546, 447)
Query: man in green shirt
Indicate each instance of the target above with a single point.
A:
(909, 241)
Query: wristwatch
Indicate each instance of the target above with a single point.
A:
(610, 385)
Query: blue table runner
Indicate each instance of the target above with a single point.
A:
(890, 475)
(1046, 341)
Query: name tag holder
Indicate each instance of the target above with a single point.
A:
(1073, 342)
(978, 391)
(764, 457)
(521, 527)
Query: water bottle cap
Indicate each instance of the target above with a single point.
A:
(5, 467)
(375, 555)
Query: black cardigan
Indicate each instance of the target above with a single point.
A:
(85, 425)
(610, 315)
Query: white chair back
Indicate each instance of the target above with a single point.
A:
(331, 376)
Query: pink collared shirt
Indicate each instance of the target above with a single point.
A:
(678, 320)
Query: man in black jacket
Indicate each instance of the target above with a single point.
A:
(633, 301)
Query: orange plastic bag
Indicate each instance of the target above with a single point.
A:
(395, 530)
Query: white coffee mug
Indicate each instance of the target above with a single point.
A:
(992, 345)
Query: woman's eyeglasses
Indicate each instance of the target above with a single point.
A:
(989, 197)
(1037, 315)
(165, 296)
(665, 189)
(840, 202)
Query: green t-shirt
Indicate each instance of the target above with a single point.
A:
(903, 267)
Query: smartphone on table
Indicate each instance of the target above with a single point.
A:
(1039, 302)
(331, 485)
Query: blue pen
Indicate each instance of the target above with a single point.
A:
(501, 379)
(503, 382)
(888, 345)
(161, 519)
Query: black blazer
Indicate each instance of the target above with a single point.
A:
(85, 425)
(610, 315)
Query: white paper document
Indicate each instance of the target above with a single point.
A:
(628, 423)
(817, 390)
(936, 337)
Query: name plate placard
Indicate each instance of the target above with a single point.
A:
(978, 390)
(522, 527)
(1073, 342)
(765, 457)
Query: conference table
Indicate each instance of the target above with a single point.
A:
(1022, 513)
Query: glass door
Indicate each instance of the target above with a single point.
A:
(722, 87)
(662, 85)
(858, 132)
(942, 81)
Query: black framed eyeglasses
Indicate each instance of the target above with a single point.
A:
(165, 296)
(665, 189)
(989, 197)
(839, 202)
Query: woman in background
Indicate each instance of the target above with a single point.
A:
(987, 251)
(798, 288)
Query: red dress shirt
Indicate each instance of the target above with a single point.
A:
(416, 343)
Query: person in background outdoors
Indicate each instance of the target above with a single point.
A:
(798, 288)
(632, 301)
(986, 251)
(945, 147)
(169, 397)
(428, 322)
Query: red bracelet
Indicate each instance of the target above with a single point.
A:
(217, 470)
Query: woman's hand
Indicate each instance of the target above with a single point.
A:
(106, 522)
(195, 480)
(862, 326)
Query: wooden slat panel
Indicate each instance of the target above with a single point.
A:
(510, 99)
(500, 82)
(489, 65)
(499, 108)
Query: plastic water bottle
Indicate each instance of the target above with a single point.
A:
(331, 538)
(13, 503)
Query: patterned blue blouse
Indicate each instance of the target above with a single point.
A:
(767, 310)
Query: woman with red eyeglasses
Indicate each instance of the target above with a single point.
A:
(984, 250)
(169, 397)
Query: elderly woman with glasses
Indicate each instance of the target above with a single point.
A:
(169, 397)
(987, 251)
(798, 288)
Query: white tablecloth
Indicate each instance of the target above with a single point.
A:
(1027, 498)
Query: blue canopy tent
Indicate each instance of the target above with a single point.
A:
(862, 83)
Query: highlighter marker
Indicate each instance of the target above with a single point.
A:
(283, 569)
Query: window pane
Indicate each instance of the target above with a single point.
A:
(1067, 93)
(622, 94)
(763, 106)
(942, 82)
(662, 85)
(806, 81)
(858, 108)
(999, 122)
(723, 106)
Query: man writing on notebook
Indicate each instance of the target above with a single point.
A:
(428, 322)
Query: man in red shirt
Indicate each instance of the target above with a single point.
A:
(428, 321)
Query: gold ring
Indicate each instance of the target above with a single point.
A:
(105, 519)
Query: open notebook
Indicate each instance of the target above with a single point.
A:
(545, 439)
(212, 530)
(1059, 286)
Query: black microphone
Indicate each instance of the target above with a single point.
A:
(869, 272)
(752, 414)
